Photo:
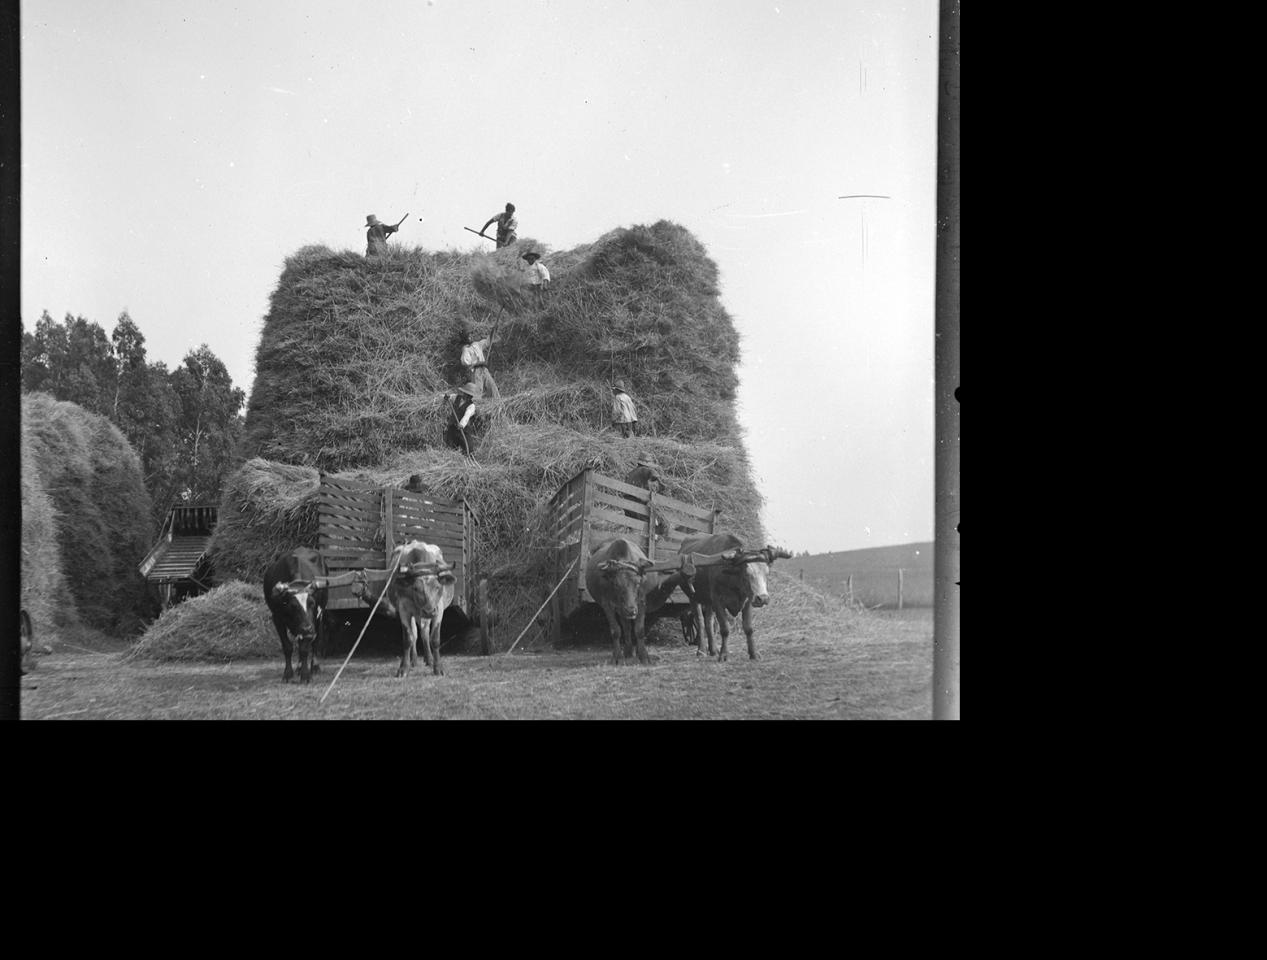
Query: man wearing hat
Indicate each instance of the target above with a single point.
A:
(461, 409)
(538, 275)
(376, 236)
(474, 361)
(506, 226)
(624, 417)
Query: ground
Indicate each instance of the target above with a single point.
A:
(865, 665)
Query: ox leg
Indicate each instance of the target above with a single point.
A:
(408, 639)
(436, 668)
(286, 647)
(305, 659)
(698, 612)
(749, 631)
(640, 637)
(720, 613)
(424, 633)
(614, 625)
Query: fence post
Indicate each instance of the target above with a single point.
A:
(899, 588)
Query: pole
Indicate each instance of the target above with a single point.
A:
(478, 234)
(390, 573)
(542, 607)
(899, 588)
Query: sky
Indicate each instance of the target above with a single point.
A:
(176, 152)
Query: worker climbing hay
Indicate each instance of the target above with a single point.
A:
(377, 234)
(506, 226)
(538, 274)
(474, 360)
(624, 416)
(461, 406)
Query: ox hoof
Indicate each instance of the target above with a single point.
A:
(401, 672)
(286, 677)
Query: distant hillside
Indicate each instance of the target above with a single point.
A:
(874, 571)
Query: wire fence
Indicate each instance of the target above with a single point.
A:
(894, 588)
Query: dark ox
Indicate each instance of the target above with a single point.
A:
(729, 588)
(613, 577)
(420, 597)
(297, 608)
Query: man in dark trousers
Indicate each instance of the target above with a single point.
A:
(506, 226)
(461, 409)
(624, 416)
(376, 236)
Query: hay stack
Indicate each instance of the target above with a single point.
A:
(43, 589)
(93, 480)
(229, 622)
(356, 354)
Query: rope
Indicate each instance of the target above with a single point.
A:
(542, 607)
(391, 573)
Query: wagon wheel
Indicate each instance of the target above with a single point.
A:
(26, 634)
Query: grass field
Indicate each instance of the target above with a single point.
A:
(874, 571)
(819, 660)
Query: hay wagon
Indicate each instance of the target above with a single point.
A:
(591, 509)
(361, 524)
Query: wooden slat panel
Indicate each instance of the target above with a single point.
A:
(632, 506)
(620, 485)
(688, 509)
(326, 508)
(619, 519)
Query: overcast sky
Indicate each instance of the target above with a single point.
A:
(175, 152)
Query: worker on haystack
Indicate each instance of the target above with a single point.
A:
(624, 416)
(474, 361)
(506, 226)
(538, 274)
(461, 408)
(376, 236)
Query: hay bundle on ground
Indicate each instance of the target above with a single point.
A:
(43, 589)
(356, 354)
(93, 479)
(229, 622)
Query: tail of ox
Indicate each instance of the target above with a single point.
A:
(296, 597)
(421, 590)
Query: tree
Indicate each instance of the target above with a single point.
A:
(210, 423)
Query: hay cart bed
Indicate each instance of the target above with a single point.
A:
(360, 524)
(592, 508)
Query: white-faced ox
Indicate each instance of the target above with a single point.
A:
(732, 587)
(297, 607)
(420, 591)
(613, 577)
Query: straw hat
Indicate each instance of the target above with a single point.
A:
(371, 221)
(470, 389)
(619, 386)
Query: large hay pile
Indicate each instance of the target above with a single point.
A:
(93, 480)
(229, 622)
(43, 589)
(356, 354)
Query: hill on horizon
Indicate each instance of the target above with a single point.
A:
(874, 571)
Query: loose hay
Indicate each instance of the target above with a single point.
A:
(43, 588)
(229, 622)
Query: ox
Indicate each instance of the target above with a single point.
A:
(297, 607)
(732, 587)
(613, 577)
(420, 592)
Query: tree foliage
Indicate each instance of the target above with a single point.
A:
(184, 423)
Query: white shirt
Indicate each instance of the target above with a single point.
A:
(466, 417)
(623, 408)
(473, 353)
(540, 274)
